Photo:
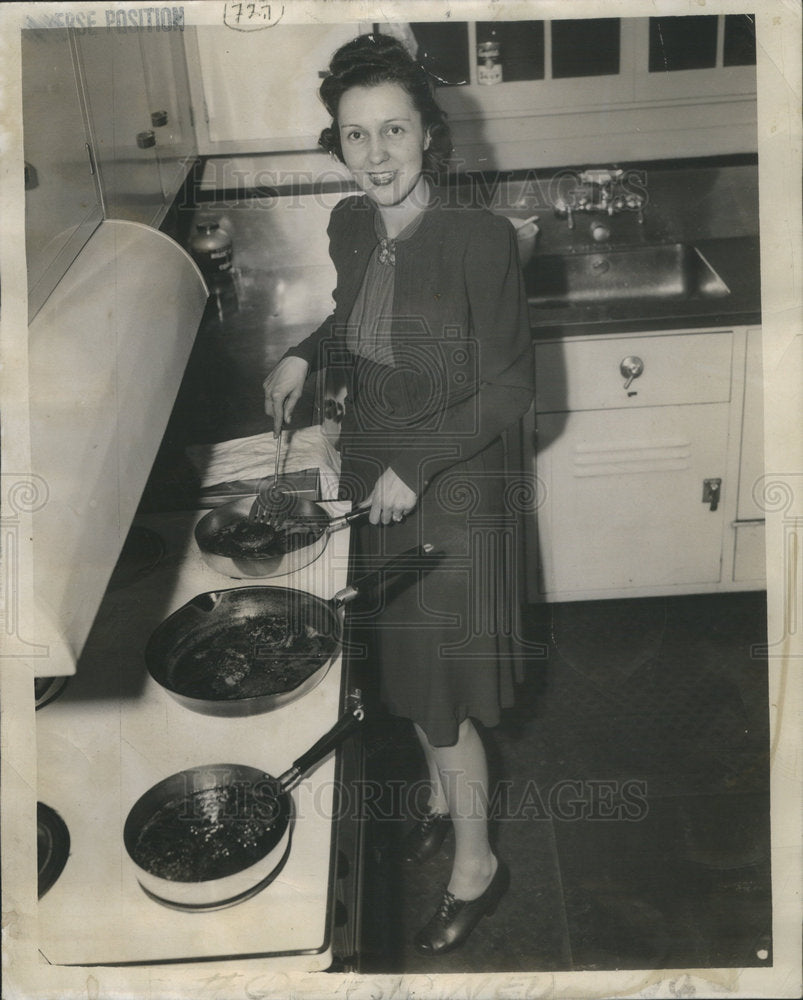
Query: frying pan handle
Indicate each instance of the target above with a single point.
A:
(346, 725)
(343, 520)
(421, 558)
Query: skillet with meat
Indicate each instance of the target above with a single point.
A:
(254, 656)
(245, 537)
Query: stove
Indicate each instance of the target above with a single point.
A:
(113, 733)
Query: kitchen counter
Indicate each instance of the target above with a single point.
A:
(736, 261)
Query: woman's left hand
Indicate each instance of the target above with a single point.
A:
(390, 499)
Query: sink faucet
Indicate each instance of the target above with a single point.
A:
(599, 190)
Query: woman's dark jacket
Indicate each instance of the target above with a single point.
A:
(459, 332)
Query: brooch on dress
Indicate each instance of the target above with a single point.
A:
(387, 251)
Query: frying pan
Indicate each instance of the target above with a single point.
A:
(197, 862)
(189, 652)
(253, 566)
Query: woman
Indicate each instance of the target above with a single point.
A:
(431, 323)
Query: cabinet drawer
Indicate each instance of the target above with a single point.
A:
(676, 368)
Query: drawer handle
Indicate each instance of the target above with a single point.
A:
(712, 490)
(631, 367)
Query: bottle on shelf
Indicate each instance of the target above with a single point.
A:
(489, 60)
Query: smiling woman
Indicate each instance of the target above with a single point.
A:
(374, 60)
(431, 332)
(383, 143)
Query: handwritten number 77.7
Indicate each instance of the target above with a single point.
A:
(249, 11)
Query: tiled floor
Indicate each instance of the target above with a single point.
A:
(636, 813)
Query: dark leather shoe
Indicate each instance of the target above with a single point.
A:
(455, 919)
(424, 840)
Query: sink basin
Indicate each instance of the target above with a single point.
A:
(669, 271)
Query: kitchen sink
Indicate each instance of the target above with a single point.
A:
(668, 271)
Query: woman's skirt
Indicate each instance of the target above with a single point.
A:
(445, 643)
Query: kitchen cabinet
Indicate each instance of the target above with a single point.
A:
(62, 199)
(168, 88)
(114, 80)
(256, 90)
(597, 90)
(108, 133)
(572, 91)
(137, 96)
(641, 478)
(748, 526)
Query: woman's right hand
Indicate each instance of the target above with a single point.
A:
(283, 389)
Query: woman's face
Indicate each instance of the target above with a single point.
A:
(383, 140)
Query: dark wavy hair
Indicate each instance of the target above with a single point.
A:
(373, 59)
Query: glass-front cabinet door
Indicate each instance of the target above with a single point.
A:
(684, 56)
(168, 91)
(588, 61)
(62, 202)
(124, 137)
(590, 89)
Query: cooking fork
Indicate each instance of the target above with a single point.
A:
(263, 509)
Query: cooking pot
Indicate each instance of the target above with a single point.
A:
(209, 837)
(303, 547)
(225, 652)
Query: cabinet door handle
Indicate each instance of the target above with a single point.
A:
(711, 492)
(158, 119)
(146, 139)
(631, 367)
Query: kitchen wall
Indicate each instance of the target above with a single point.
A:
(610, 97)
(686, 201)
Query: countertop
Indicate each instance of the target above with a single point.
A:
(734, 258)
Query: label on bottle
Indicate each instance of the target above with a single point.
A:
(212, 262)
(489, 63)
(212, 249)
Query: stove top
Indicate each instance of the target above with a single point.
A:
(113, 733)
